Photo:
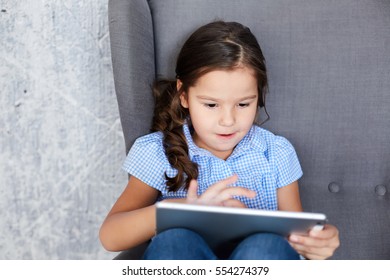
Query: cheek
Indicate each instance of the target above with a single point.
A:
(249, 117)
(198, 118)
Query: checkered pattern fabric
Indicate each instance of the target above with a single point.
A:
(262, 161)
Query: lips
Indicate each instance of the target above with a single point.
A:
(226, 136)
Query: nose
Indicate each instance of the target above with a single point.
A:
(227, 118)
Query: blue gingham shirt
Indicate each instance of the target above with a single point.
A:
(263, 162)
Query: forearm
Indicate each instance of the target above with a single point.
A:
(125, 230)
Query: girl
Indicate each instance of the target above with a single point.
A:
(206, 149)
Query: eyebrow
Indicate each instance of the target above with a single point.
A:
(204, 97)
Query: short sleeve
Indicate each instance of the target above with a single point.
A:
(287, 164)
(147, 162)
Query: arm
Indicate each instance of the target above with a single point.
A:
(318, 244)
(289, 199)
(131, 220)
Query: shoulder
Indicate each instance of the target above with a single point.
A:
(146, 149)
(147, 162)
(269, 141)
(155, 138)
(149, 144)
(281, 154)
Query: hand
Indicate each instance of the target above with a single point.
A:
(318, 245)
(219, 194)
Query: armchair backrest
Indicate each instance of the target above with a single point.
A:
(329, 93)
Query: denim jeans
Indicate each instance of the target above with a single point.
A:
(184, 244)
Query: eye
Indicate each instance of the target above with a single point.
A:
(243, 105)
(210, 105)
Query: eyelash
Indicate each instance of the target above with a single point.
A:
(243, 105)
(214, 105)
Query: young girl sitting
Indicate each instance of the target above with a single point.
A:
(206, 149)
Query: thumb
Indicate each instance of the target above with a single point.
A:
(192, 193)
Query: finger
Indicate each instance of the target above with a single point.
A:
(319, 247)
(227, 181)
(192, 192)
(328, 232)
(234, 203)
(328, 237)
(299, 249)
(215, 189)
(230, 180)
(312, 256)
(309, 253)
(228, 193)
(308, 241)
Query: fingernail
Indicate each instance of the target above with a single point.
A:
(294, 238)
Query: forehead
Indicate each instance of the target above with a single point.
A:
(239, 79)
(238, 82)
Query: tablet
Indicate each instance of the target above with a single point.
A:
(221, 224)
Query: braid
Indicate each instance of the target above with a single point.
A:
(169, 117)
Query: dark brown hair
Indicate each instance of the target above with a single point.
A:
(215, 46)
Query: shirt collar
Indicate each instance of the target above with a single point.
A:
(193, 149)
(251, 140)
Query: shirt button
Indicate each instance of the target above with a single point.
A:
(380, 190)
(333, 187)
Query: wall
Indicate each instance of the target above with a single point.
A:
(61, 144)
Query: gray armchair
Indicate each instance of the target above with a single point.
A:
(329, 94)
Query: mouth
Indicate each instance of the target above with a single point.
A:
(226, 136)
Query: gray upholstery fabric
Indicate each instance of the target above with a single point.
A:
(329, 70)
(132, 47)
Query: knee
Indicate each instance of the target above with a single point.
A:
(265, 239)
(174, 238)
(266, 246)
(176, 234)
(178, 243)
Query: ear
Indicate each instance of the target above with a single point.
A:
(183, 100)
(183, 95)
(179, 83)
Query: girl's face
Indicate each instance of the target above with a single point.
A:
(223, 106)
